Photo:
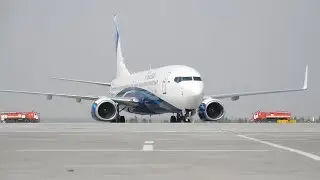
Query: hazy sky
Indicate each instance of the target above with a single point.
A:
(237, 46)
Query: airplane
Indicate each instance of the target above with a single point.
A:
(175, 89)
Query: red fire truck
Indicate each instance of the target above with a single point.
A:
(260, 116)
(20, 117)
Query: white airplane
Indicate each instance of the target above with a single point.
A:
(175, 89)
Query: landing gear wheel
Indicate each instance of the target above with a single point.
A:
(122, 119)
(187, 120)
(173, 119)
(119, 119)
(183, 118)
(179, 118)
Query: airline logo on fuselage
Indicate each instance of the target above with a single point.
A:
(150, 76)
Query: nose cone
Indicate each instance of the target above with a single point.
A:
(194, 95)
(196, 89)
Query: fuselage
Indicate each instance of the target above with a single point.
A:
(168, 89)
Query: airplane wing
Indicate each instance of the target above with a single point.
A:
(129, 101)
(83, 81)
(236, 96)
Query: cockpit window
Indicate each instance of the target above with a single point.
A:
(177, 79)
(197, 78)
(189, 78)
(186, 78)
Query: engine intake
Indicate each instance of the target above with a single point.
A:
(104, 110)
(211, 110)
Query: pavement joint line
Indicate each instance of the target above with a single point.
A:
(86, 134)
(213, 131)
(169, 139)
(309, 155)
(136, 150)
(107, 131)
(32, 139)
(210, 150)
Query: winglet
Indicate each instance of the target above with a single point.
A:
(305, 83)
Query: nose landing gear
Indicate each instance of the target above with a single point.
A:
(184, 117)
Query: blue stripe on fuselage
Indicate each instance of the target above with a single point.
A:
(148, 102)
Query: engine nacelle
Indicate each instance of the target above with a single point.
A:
(104, 109)
(211, 110)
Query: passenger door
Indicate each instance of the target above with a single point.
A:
(164, 83)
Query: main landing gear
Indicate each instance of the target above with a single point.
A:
(119, 119)
(181, 117)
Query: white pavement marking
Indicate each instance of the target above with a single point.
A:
(309, 155)
(132, 150)
(148, 146)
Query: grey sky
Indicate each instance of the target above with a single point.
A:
(237, 46)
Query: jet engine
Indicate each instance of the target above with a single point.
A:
(211, 110)
(104, 109)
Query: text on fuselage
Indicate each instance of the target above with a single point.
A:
(150, 76)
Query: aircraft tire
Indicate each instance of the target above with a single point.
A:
(186, 120)
(173, 119)
(122, 119)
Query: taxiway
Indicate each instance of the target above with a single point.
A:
(159, 151)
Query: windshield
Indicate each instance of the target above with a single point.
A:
(187, 78)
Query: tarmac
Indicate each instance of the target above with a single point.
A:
(95, 151)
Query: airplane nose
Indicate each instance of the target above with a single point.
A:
(196, 90)
(194, 95)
